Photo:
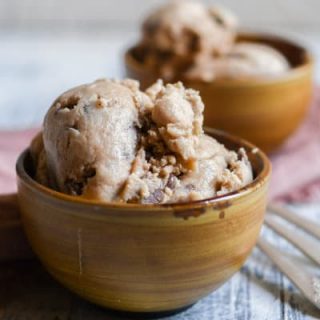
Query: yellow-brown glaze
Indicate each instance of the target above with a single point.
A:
(263, 111)
(144, 258)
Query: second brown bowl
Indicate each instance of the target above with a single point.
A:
(266, 111)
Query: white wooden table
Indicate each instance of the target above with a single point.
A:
(34, 69)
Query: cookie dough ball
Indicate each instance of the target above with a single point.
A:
(177, 161)
(245, 61)
(252, 60)
(183, 27)
(90, 138)
(180, 30)
(178, 113)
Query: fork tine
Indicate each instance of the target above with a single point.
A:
(309, 226)
(307, 246)
(308, 284)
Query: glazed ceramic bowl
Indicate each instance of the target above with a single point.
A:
(144, 258)
(266, 111)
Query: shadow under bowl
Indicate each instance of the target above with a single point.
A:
(263, 111)
(144, 258)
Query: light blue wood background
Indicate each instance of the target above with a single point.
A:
(125, 13)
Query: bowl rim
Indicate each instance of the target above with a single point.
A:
(292, 73)
(54, 195)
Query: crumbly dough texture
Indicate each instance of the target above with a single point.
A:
(186, 39)
(175, 35)
(110, 141)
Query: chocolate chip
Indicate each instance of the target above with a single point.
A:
(159, 195)
(89, 173)
(86, 109)
(156, 197)
(149, 153)
(171, 181)
(145, 126)
(74, 187)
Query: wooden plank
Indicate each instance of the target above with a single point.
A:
(13, 243)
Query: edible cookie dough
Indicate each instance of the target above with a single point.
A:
(245, 60)
(177, 33)
(185, 39)
(110, 141)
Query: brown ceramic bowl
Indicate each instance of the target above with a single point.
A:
(144, 258)
(264, 111)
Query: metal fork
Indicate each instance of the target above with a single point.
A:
(306, 282)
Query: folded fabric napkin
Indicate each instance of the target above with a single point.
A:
(11, 144)
(296, 166)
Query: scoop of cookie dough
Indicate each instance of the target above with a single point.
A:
(181, 30)
(110, 141)
(252, 60)
(90, 138)
(245, 61)
(189, 41)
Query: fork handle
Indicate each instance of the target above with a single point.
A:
(13, 242)
(303, 280)
(302, 222)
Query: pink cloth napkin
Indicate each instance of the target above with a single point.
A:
(296, 166)
(11, 144)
